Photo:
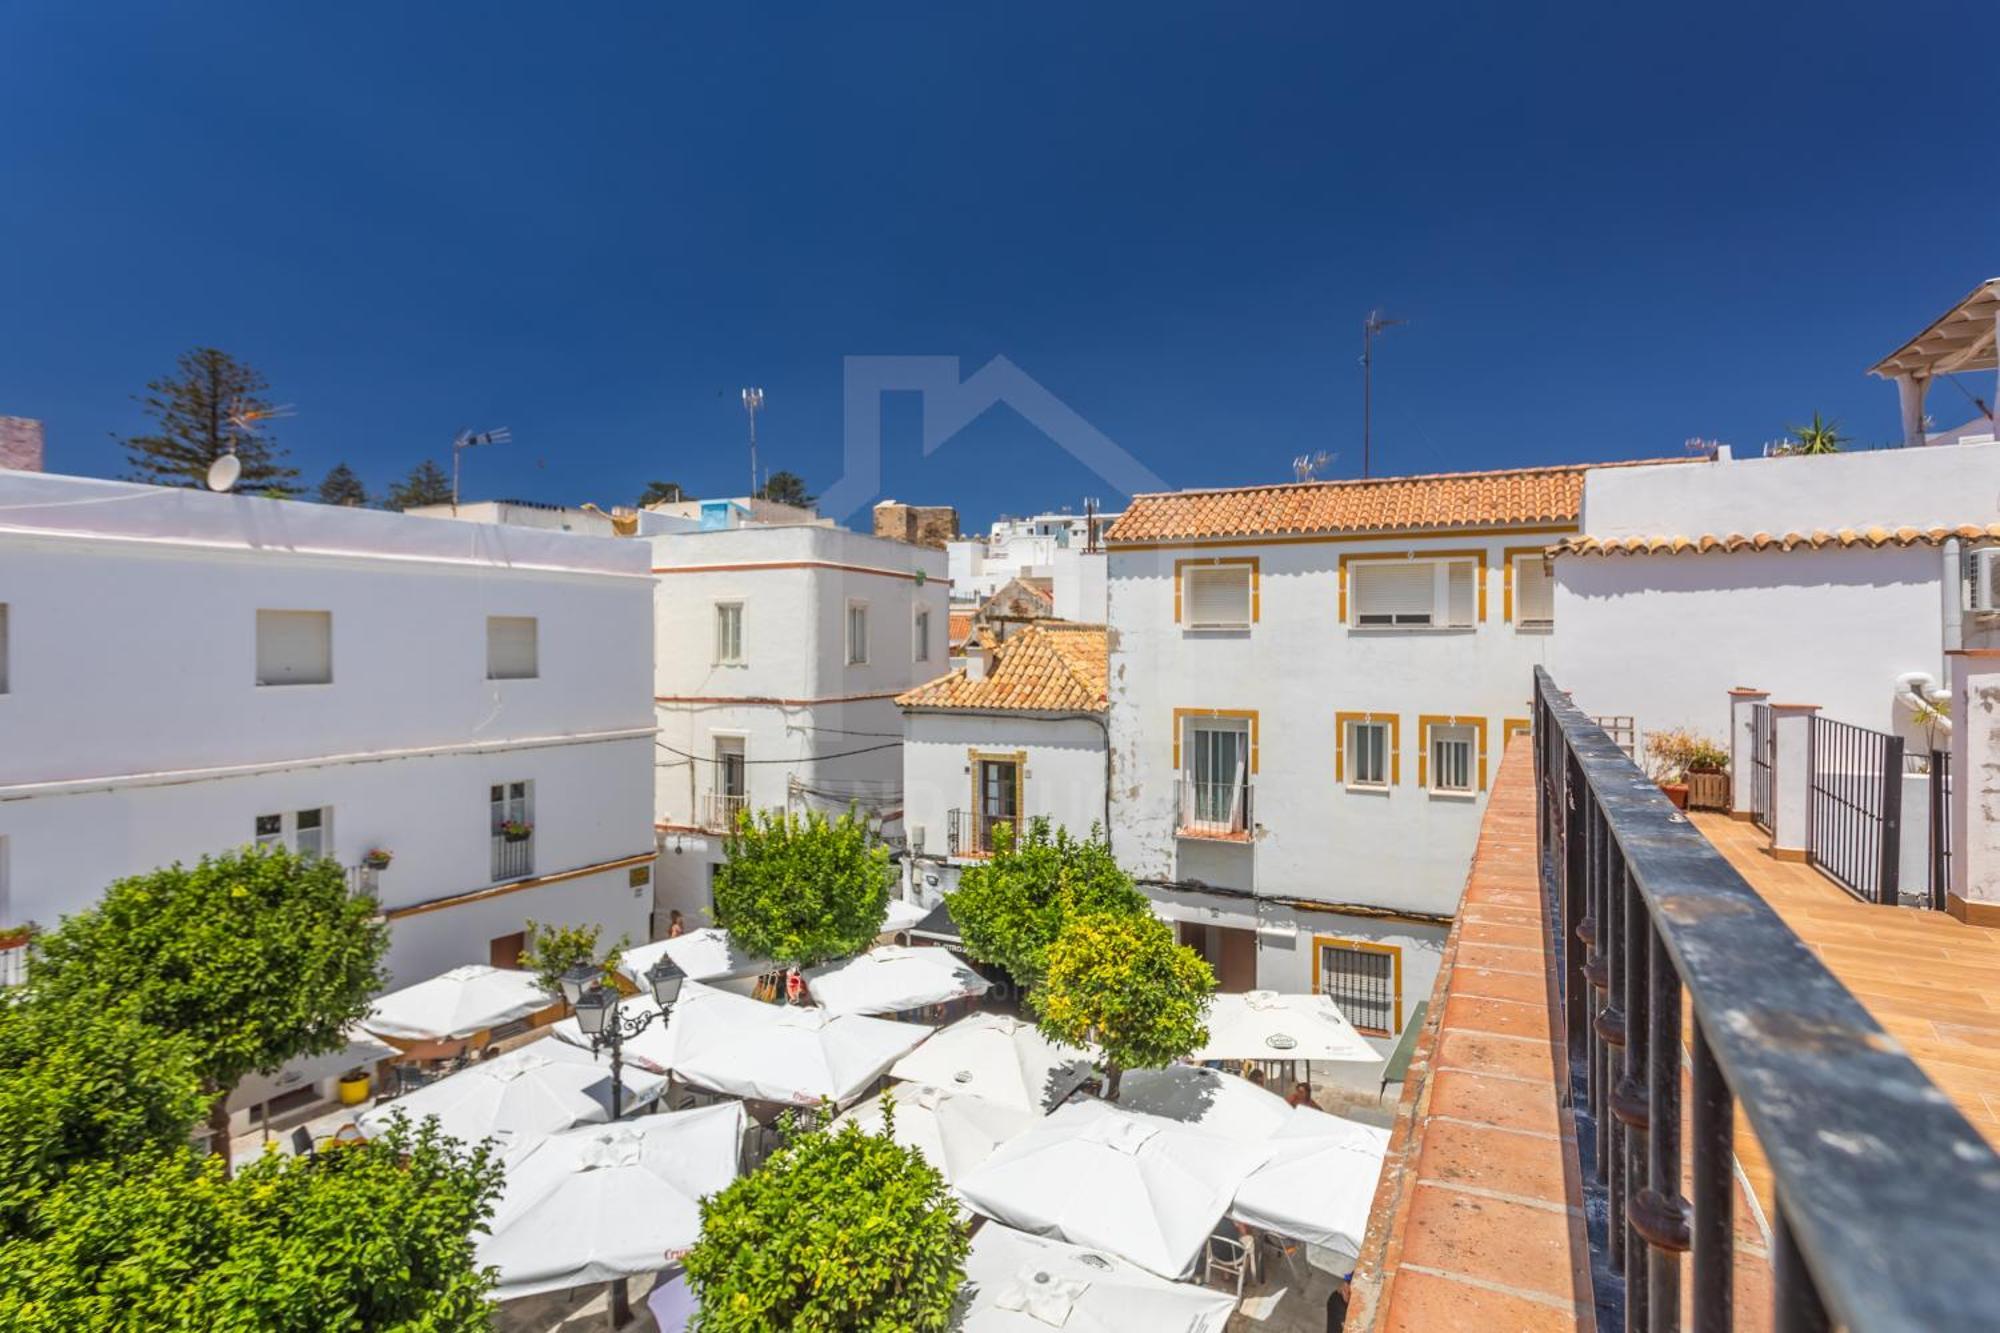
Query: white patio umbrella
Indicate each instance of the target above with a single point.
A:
(954, 1131)
(642, 1085)
(1319, 1184)
(1206, 1099)
(1143, 1188)
(1264, 1025)
(779, 1053)
(1000, 1058)
(647, 1050)
(456, 1004)
(515, 1097)
(902, 915)
(609, 1201)
(1029, 1284)
(892, 978)
(704, 955)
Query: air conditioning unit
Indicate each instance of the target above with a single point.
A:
(1985, 581)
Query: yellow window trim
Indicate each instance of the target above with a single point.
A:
(1515, 726)
(1019, 759)
(1425, 721)
(1508, 556)
(1341, 721)
(1215, 561)
(1245, 714)
(1395, 951)
(1475, 553)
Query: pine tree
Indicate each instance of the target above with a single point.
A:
(193, 410)
(342, 487)
(787, 488)
(663, 492)
(426, 485)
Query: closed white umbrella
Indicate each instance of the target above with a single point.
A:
(1000, 1058)
(1143, 1188)
(704, 955)
(1019, 1283)
(1264, 1025)
(954, 1131)
(456, 1004)
(779, 1053)
(891, 979)
(609, 1201)
(1319, 1184)
(1206, 1099)
(515, 1097)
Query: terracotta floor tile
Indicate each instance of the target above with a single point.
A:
(1486, 1053)
(1490, 985)
(1508, 935)
(1426, 1303)
(1503, 1160)
(1495, 1101)
(1515, 1245)
(1496, 958)
(1508, 1017)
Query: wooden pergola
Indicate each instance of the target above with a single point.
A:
(1961, 339)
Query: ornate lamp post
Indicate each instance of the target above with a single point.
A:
(597, 1014)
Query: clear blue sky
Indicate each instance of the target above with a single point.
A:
(1611, 227)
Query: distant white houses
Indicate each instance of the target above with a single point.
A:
(1063, 550)
(182, 673)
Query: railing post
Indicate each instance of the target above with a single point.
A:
(1890, 881)
(1712, 1131)
(1791, 780)
(1940, 794)
(1742, 746)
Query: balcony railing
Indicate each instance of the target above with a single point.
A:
(1884, 1195)
(971, 833)
(13, 958)
(513, 858)
(722, 810)
(1212, 809)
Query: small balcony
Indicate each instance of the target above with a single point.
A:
(1216, 811)
(720, 810)
(13, 958)
(513, 857)
(972, 833)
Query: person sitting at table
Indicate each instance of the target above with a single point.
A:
(1300, 1095)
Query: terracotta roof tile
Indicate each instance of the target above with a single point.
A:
(1050, 667)
(1438, 502)
(960, 627)
(1872, 537)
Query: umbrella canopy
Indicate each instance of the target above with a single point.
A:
(642, 1085)
(456, 1004)
(648, 1050)
(780, 1053)
(1000, 1058)
(902, 916)
(954, 1131)
(893, 978)
(1264, 1025)
(1319, 1184)
(1030, 1284)
(705, 955)
(519, 1096)
(1206, 1099)
(609, 1201)
(1143, 1188)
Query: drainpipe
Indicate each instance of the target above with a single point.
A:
(1951, 594)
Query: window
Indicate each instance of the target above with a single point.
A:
(1217, 596)
(307, 832)
(510, 648)
(731, 789)
(1410, 593)
(511, 819)
(294, 647)
(1364, 981)
(921, 635)
(729, 632)
(1215, 778)
(996, 795)
(857, 633)
(1452, 758)
(1368, 754)
(3, 647)
(1534, 593)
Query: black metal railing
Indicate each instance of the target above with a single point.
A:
(1884, 1195)
(513, 858)
(1940, 858)
(1763, 751)
(1854, 808)
(970, 832)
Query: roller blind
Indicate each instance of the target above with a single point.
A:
(294, 647)
(1534, 592)
(1217, 596)
(1462, 594)
(510, 648)
(1393, 592)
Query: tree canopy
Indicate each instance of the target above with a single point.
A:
(427, 484)
(208, 408)
(802, 889)
(1010, 908)
(839, 1230)
(1122, 982)
(663, 492)
(341, 487)
(554, 950)
(786, 488)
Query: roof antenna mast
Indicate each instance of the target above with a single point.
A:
(1370, 327)
(753, 399)
(468, 439)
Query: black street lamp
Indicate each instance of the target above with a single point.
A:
(597, 1014)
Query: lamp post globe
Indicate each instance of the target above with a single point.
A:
(665, 977)
(577, 979)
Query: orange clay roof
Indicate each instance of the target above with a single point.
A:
(960, 626)
(1047, 667)
(1439, 502)
(1818, 539)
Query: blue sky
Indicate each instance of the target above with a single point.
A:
(1611, 228)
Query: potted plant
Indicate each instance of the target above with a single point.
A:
(378, 858)
(1689, 767)
(353, 1087)
(515, 830)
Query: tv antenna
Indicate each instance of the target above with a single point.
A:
(1375, 324)
(753, 401)
(243, 420)
(468, 439)
(1306, 466)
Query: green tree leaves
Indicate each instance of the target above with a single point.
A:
(427, 484)
(554, 950)
(1010, 909)
(802, 889)
(192, 411)
(1121, 981)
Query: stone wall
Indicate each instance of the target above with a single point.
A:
(919, 525)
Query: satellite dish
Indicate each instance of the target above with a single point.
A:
(224, 471)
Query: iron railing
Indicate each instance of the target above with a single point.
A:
(970, 832)
(1884, 1196)
(1212, 809)
(1940, 858)
(723, 808)
(513, 858)
(1763, 751)
(1854, 810)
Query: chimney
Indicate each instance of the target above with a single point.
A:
(21, 444)
(979, 657)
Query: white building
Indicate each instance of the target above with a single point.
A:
(780, 654)
(182, 673)
(1050, 546)
(1018, 733)
(1309, 688)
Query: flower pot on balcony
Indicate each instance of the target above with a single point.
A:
(1677, 792)
(377, 860)
(353, 1087)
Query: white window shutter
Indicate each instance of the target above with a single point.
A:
(1534, 592)
(1462, 593)
(1218, 596)
(511, 648)
(1393, 591)
(294, 647)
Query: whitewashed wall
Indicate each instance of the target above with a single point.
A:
(1064, 779)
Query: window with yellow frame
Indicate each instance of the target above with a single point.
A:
(1364, 980)
(1368, 750)
(1451, 760)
